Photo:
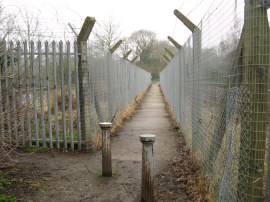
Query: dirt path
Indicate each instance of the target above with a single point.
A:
(76, 177)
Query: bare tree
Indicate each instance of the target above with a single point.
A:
(107, 34)
(28, 27)
(7, 24)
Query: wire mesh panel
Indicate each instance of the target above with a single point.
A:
(116, 83)
(223, 71)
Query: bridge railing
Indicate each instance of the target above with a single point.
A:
(218, 88)
(40, 87)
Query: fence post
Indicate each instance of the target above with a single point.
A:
(255, 73)
(84, 82)
(196, 92)
(147, 167)
(177, 45)
(106, 149)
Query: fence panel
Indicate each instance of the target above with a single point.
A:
(223, 98)
(39, 93)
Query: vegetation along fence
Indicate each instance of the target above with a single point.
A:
(218, 88)
(41, 93)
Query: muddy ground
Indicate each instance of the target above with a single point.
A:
(74, 176)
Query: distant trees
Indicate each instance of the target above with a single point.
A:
(7, 24)
(149, 49)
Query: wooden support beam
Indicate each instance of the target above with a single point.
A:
(255, 80)
(126, 54)
(185, 20)
(169, 52)
(166, 58)
(84, 83)
(134, 59)
(115, 46)
(177, 45)
(164, 63)
(86, 28)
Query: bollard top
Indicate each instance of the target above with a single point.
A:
(105, 125)
(147, 138)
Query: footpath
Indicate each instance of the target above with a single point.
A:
(77, 177)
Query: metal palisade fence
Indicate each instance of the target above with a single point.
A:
(40, 88)
(218, 88)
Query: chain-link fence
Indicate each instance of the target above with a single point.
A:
(217, 86)
(40, 87)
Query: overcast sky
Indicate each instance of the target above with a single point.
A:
(154, 15)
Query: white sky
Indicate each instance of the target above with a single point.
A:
(154, 15)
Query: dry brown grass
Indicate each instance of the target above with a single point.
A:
(197, 184)
(119, 120)
(98, 142)
(126, 114)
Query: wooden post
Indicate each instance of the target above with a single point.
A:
(166, 58)
(177, 45)
(106, 149)
(165, 64)
(196, 92)
(147, 167)
(115, 46)
(126, 54)
(84, 82)
(169, 52)
(134, 59)
(185, 20)
(255, 68)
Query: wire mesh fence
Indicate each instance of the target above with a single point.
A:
(39, 93)
(218, 88)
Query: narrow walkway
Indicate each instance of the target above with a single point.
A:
(77, 177)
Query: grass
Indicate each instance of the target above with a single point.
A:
(5, 182)
(34, 148)
(7, 198)
(120, 118)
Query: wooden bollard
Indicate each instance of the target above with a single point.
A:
(147, 167)
(106, 149)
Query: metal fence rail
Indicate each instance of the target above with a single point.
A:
(217, 86)
(39, 93)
